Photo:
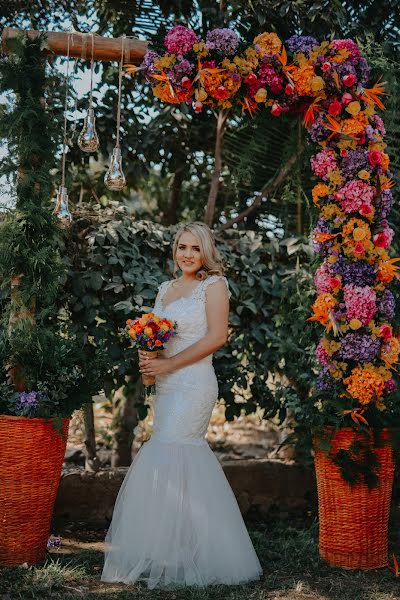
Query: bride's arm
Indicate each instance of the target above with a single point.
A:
(217, 311)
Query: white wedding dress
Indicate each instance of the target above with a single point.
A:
(176, 520)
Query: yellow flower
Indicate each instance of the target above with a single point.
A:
(355, 324)
(200, 49)
(369, 110)
(148, 331)
(363, 174)
(319, 191)
(165, 62)
(200, 94)
(261, 95)
(317, 84)
(335, 177)
(332, 259)
(268, 43)
(359, 234)
(353, 108)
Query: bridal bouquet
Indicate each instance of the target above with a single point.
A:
(150, 333)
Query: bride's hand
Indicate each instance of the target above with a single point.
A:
(154, 366)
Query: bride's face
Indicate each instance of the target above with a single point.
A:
(188, 254)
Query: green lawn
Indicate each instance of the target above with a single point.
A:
(288, 552)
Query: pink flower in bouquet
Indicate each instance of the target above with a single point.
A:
(360, 303)
(268, 76)
(384, 238)
(323, 162)
(375, 158)
(356, 194)
(349, 45)
(349, 79)
(322, 279)
(321, 355)
(335, 108)
(179, 40)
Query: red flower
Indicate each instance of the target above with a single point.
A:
(386, 332)
(334, 282)
(251, 79)
(380, 240)
(289, 89)
(198, 106)
(344, 153)
(339, 196)
(360, 137)
(359, 248)
(347, 98)
(349, 79)
(365, 210)
(335, 108)
(221, 93)
(187, 84)
(374, 158)
(276, 110)
(326, 66)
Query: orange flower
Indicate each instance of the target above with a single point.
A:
(319, 190)
(365, 384)
(390, 352)
(323, 305)
(166, 92)
(268, 43)
(303, 77)
(387, 270)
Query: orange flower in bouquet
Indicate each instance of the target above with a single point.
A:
(150, 333)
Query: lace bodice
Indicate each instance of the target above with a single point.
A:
(188, 312)
(185, 397)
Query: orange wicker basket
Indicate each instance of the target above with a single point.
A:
(353, 520)
(31, 457)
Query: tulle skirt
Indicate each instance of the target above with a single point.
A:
(176, 522)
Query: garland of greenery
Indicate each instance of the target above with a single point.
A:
(45, 370)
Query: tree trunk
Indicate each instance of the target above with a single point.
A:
(175, 197)
(125, 422)
(212, 197)
(92, 463)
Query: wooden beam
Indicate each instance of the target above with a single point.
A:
(81, 45)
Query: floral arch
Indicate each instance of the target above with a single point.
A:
(329, 84)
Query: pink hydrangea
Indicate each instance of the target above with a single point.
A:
(349, 45)
(355, 194)
(323, 162)
(180, 40)
(379, 125)
(321, 355)
(360, 303)
(321, 279)
(268, 76)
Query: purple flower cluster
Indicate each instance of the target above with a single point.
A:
(184, 68)
(390, 386)
(358, 273)
(358, 346)
(318, 132)
(385, 204)
(387, 305)
(353, 163)
(148, 64)
(223, 40)
(322, 226)
(27, 402)
(301, 43)
(325, 381)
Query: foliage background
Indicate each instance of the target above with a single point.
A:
(118, 250)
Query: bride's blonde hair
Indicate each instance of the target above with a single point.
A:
(211, 258)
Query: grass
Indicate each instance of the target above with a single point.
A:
(288, 553)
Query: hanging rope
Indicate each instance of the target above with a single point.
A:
(65, 114)
(120, 88)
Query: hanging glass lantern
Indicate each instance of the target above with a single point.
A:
(114, 178)
(61, 210)
(88, 140)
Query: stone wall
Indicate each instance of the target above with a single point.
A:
(262, 487)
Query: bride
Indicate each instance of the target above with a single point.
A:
(176, 520)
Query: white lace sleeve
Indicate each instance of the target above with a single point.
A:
(162, 288)
(212, 279)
